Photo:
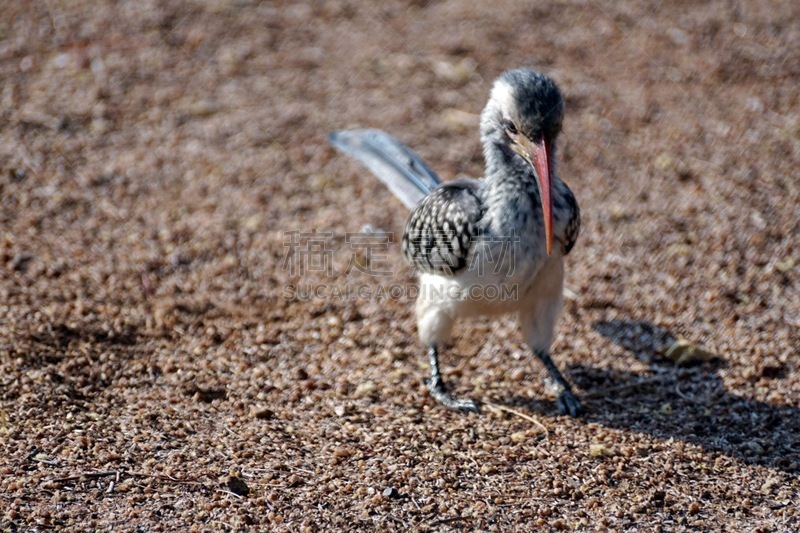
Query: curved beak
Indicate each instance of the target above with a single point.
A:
(537, 154)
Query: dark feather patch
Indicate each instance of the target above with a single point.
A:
(573, 228)
(440, 230)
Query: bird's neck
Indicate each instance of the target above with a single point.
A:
(511, 194)
(508, 174)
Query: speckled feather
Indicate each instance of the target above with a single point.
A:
(573, 226)
(440, 231)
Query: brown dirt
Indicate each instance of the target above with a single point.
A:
(154, 375)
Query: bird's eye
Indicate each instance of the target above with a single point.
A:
(510, 127)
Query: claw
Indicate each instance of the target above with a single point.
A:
(568, 405)
(439, 389)
(444, 397)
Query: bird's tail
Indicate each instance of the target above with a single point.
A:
(395, 164)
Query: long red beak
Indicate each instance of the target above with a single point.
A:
(540, 155)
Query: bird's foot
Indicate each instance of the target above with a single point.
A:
(568, 404)
(565, 401)
(444, 397)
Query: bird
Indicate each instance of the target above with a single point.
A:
(490, 246)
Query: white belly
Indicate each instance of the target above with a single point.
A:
(442, 299)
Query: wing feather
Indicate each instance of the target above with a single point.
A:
(441, 229)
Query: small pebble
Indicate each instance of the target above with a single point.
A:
(391, 493)
(264, 413)
(237, 486)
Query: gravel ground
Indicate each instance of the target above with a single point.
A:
(159, 372)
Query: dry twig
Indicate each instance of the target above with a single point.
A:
(118, 474)
(497, 407)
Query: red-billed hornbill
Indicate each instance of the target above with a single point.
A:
(504, 235)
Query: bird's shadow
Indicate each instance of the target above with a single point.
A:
(686, 403)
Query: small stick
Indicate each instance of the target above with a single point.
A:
(86, 475)
(231, 493)
(165, 477)
(118, 474)
(498, 407)
(449, 520)
(683, 394)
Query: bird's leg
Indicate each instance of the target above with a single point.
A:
(439, 390)
(566, 401)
